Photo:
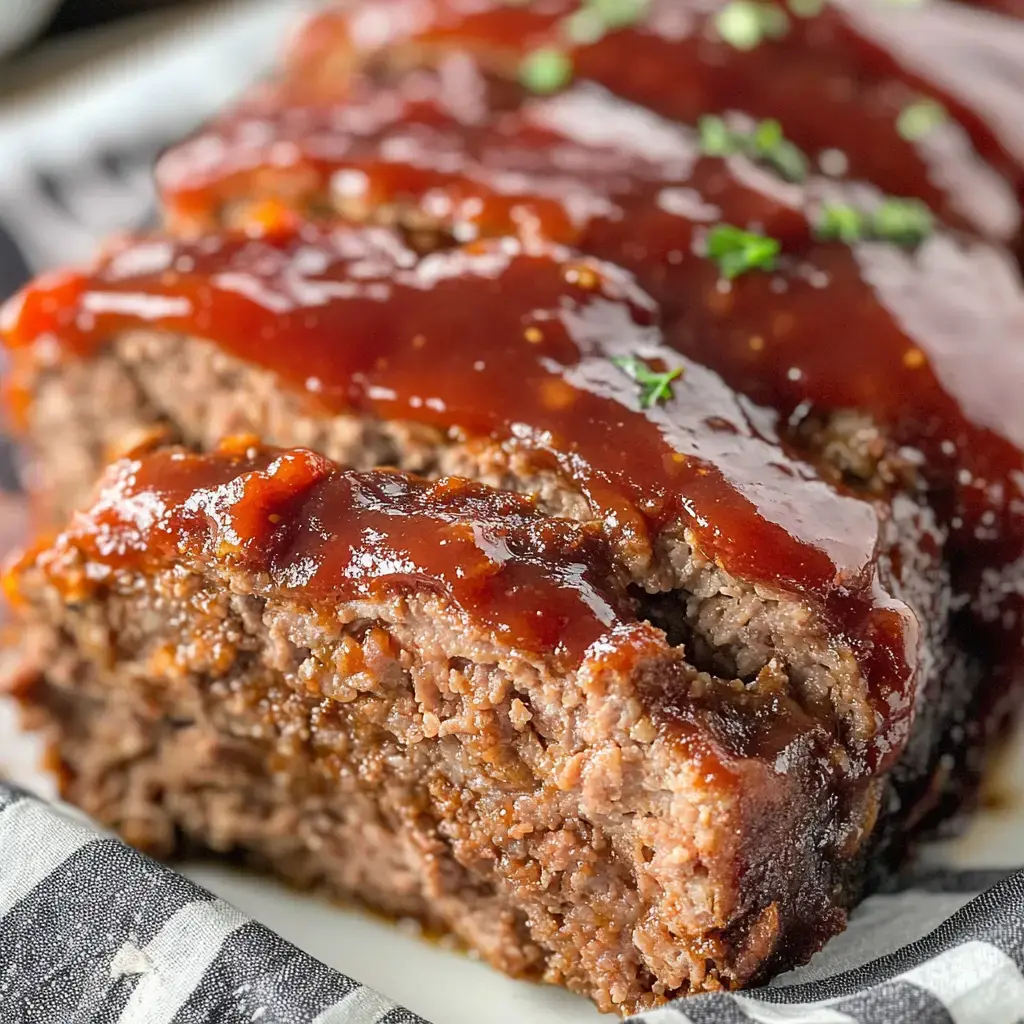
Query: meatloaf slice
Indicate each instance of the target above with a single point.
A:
(906, 345)
(347, 340)
(435, 699)
(532, 369)
(840, 80)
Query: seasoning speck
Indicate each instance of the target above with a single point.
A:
(546, 70)
(744, 24)
(736, 251)
(919, 119)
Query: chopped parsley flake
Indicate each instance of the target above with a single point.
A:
(736, 251)
(765, 143)
(594, 18)
(774, 149)
(918, 119)
(618, 13)
(906, 222)
(546, 70)
(903, 221)
(745, 24)
(715, 137)
(654, 387)
(840, 222)
(584, 26)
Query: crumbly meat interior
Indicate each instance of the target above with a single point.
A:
(390, 752)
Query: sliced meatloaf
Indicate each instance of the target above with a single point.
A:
(884, 338)
(533, 370)
(439, 700)
(921, 100)
(689, 587)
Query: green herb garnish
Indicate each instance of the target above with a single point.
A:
(618, 13)
(546, 70)
(584, 26)
(765, 143)
(736, 251)
(744, 24)
(593, 19)
(654, 387)
(920, 118)
(715, 137)
(903, 221)
(806, 8)
(773, 148)
(906, 222)
(840, 222)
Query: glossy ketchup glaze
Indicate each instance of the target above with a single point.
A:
(837, 81)
(926, 342)
(297, 528)
(519, 346)
(307, 530)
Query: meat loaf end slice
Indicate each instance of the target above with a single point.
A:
(434, 699)
(538, 370)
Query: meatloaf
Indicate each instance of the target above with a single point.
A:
(919, 100)
(538, 371)
(440, 699)
(890, 321)
(617, 557)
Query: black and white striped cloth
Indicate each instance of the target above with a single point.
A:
(93, 931)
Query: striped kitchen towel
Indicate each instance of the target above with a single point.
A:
(93, 932)
(969, 969)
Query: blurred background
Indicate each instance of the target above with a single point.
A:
(28, 24)
(90, 92)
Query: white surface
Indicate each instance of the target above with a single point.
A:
(418, 974)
